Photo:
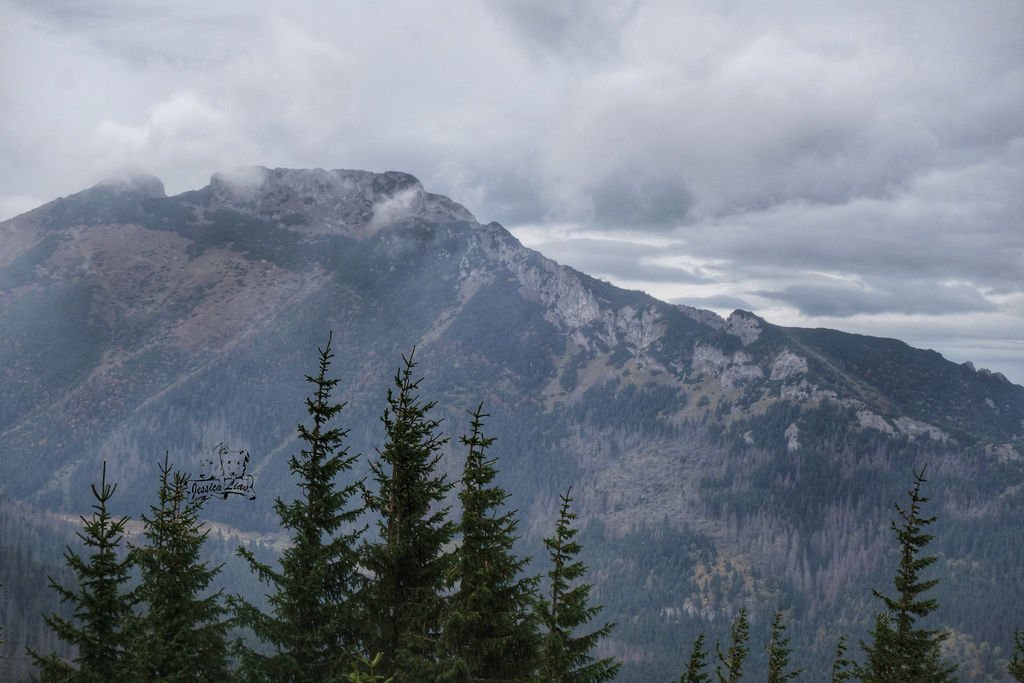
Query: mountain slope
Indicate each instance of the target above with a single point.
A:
(717, 463)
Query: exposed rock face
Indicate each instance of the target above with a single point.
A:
(733, 371)
(915, 428)
(792, 437)
(1006, 453)
(569, 304)
(746, 326)
(709, 318)
(870, 420)
(707, 360)
(788, 365)
(738, 375)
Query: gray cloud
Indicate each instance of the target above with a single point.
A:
(569, 29)
(722, 302)
(841, 302)
(619, 260)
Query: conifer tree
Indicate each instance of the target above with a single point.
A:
(312, 624)
(842, 666)
(565, 656)
(102, 604)
(181, 633)
(410, 566)
(900, 650)
(490, 633)
(364, 670)
(730, 668)
(1016, 666)
(779, 652)
(696, 668)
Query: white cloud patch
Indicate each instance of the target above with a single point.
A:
(394, 208)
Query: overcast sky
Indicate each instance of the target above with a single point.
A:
(850, 165)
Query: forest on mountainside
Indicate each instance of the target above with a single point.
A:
(412, 575)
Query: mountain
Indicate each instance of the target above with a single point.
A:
(716, 463)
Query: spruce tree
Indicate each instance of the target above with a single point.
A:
(842, 666)
(730, 667)
(565, 654)
(1016, 666)
(900, 650)
(102, 604)
(364, 670)
(410, 564)
(489, 633)
(180, 634)
(696, 667)
(314, 612)
(779, 652)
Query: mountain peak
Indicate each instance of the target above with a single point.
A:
(745, 325)
(133, 182)
(339, 199)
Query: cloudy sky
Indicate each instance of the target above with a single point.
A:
(850, 165)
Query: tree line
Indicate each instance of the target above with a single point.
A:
(423, 597)
(898, 650)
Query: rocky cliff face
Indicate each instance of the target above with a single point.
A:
(717, 462)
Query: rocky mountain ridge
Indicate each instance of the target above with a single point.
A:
(716, 462)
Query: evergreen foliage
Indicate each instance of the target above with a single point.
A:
(312, 624)
(730, 668)
(842, 666)
(490, 632)
(900, 650)
(430, 609)
(1016, 666)
(695, 669)
(102, 605)
(779, 652)
(565, 656)
(409, 563)
(364, 670)
(180, 634)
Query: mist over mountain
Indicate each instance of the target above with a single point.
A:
(717, 463)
